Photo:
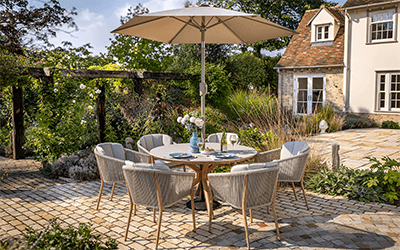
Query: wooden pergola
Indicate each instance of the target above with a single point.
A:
(45, 75)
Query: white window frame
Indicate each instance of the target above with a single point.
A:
(387, 91)
(325, 28)
(309, 92)
(372, 23)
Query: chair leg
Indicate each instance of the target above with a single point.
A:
(154, 215)
(304, 193)
(268, 209)
(129, 220)
(134, 209)
(112, 192)
(251, 215)
(294, 191)
(244, 201)
(101, 191)
(276, 221)
(192, 204)
(159, 226)
(184, 168)
(245, 226)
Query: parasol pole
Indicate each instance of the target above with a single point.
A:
(203, 86)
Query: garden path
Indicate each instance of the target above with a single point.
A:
(331, 223)
(356, 144)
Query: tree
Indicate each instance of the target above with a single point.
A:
(139, 53)
(287, 13)
(246, 70)
(21, 27)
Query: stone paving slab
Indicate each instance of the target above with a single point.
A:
(356, 144)
(331, 223)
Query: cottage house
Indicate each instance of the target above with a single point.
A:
(347, 57)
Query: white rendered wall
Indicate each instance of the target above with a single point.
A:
(324, 18)
(365, 60)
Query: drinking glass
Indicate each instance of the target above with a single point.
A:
(200, 143)
(233, 139)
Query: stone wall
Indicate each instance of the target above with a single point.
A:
(378, 118)
(333, 87)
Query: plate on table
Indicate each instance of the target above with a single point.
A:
(180, 155)
(207, 152)
(224, 155)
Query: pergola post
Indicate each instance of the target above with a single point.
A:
(101, 114)
(18, 123)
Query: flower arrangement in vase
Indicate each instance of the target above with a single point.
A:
(192, 124)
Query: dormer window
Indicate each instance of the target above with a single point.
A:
(382, 25)
(322, 33)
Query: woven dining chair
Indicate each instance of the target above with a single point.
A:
(292, 159)
(110, 159)
(157, 188)
(246, 189)
(148, 142)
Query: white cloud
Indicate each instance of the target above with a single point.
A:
(93, 29)
(158, 5)
(122, 11)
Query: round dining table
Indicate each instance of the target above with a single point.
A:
(203, 164)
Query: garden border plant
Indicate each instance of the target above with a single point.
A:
(379, 183)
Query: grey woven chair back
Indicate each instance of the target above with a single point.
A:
(217, 137)
(174, 186)
(148, 142)
(260, 190)
(107, 156)
(292, 168)
(293, 148)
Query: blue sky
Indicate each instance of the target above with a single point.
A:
(96, 18)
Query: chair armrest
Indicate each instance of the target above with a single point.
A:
(268, 156)
(136, 156)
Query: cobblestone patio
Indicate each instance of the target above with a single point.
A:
(27, 199)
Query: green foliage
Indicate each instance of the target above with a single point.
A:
(252, 137)
(352, 121)
(58, 237)
(138, 53)
(327, 114)
(380, 183)
(390, 125)
(12, 71)
(245, 104)
(385, 177)
(272, 74)
(23, 24)
(187, 55)
(219, 86)
(246, 71)
(61, 113)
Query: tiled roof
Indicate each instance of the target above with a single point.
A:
(352, 3)
(300, 53)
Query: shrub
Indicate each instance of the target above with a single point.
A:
(246, 70)
(219, 86)
(380, 183)
(261, 110)
(353, 121)
(80, 166)
(390, 125)
(67, 238)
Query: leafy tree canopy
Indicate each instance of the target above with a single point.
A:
(287, 13)
(22, 24)
(139, 53)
